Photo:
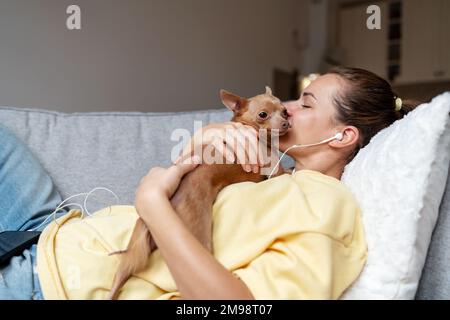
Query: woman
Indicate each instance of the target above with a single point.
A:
(296, 236)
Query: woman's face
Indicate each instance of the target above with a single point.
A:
(312, 116)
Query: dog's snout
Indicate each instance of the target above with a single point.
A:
(284, 113)
(285, 125)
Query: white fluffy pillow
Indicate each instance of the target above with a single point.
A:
(398, 180)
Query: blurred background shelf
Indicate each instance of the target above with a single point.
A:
(412, 48)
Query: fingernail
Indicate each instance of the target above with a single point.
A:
(248, 168)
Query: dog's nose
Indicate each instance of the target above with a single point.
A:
(285, 125)
(284, 113)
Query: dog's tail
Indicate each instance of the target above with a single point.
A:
(134, 259)
(119, 280)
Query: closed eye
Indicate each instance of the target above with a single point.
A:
(304, 106)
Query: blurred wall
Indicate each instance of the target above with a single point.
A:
(316, 15)
(141, 55)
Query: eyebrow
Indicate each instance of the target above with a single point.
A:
(305, 93)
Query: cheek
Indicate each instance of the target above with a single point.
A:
(303, 123)
(299, 126)
(303, 119)
(306, 128)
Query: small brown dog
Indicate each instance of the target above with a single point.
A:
(198, 190)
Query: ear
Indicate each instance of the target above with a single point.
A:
(350, 137)
(231, 100)
(268, 90)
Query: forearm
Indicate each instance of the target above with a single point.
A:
(196, 272)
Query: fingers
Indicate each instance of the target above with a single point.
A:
(248, 141)
(189, 161)
(250, 136)
(223, 149)
(187, 165)
(234, 141)
(183, 157)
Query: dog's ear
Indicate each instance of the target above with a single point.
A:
(231, 100)
(268, 90)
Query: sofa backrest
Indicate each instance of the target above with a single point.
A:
(435, 281)
(82, 151)
(115, 150)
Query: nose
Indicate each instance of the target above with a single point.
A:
(290, 107)
(285, 125)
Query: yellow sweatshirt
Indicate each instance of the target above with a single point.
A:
(290, 237)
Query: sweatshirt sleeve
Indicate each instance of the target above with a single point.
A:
(304, 266)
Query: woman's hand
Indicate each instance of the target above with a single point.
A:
(196, 272)
(229, 139)
(161, 183)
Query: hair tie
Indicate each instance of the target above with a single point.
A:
(398, 104)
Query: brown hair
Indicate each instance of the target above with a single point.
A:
(368, 103)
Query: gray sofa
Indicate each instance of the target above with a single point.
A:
(82, 151)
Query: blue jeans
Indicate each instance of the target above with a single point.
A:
(27, 197)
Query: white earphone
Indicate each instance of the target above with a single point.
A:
(338, 136)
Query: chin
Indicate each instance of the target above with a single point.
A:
(286, 141)
(284, 144)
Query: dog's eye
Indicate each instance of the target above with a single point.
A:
(285, 113)
(263, 115)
